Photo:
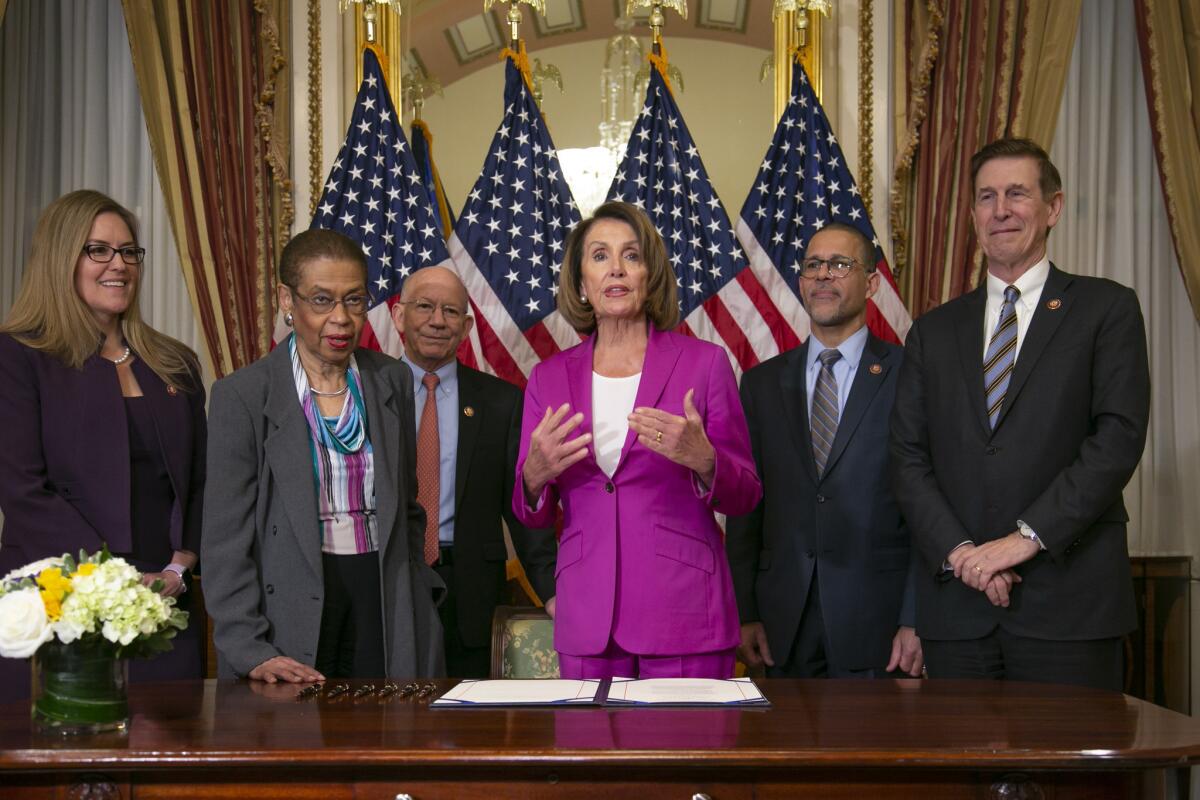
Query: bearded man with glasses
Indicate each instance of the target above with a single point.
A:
(823, 567)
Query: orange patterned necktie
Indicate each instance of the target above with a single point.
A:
(429, 468)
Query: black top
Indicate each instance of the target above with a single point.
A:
(151, 495)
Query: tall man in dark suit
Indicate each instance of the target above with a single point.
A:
(466, 459)
(1020, 415)
(822, 568)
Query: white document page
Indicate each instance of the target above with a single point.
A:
(520, 692)
(685, 691)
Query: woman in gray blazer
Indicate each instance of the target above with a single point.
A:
(312, 534)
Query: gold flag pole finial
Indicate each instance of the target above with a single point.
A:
(514, 16)
(801, 8)
(418, 88)
(370, 16)
(657, 18)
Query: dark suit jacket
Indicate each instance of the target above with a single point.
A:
(1070, 434)
(845, 526)
(264, 578)
(488, 439)
(64, 464)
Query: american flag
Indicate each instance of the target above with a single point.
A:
(802, 185)
(375, 195)
(720, 299)
(508, 243)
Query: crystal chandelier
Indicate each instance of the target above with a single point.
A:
(619, 95)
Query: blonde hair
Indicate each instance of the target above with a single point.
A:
(662, 290)
(49, 315)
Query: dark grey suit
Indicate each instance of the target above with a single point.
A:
(263, 576)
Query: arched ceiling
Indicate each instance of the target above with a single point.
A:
(449, 39)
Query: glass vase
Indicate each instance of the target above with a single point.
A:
(79, 688)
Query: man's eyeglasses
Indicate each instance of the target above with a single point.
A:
(355, 304)
(838, 266)
(102, 253)
(424, 308)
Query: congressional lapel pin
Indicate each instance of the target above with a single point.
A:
(468, 411)
(171, 390)
(1054, 305)
(876, 369)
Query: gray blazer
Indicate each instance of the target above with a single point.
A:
(263, 581)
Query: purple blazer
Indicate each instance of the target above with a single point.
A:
(64, 465)
(641, 560)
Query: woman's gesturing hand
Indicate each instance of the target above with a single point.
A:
(550, 452)
(681, 439)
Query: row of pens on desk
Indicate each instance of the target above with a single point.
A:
(382, 693)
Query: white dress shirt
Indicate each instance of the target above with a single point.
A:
(1030, 284)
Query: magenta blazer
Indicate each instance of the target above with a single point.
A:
(641, 560)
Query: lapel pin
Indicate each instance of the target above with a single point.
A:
(1054, 305)
(876, 369)
(468, 411)
(171, 390)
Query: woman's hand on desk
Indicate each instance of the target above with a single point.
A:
(681, 439)
(550, 453)
(282, 668)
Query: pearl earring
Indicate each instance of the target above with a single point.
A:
(287, 320)
(583, 298)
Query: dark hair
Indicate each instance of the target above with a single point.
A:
(1048, 178)
(315, 244)
(662, 290)
(866, 248)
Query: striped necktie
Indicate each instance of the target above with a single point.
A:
(825, 410)
(1001, 355)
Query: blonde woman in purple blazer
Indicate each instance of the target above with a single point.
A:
(639, 434)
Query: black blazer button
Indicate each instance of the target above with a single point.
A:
(820, 498)
(274, 529)
(608, 487)
(270, 588)
(991, 451)
(808, 554)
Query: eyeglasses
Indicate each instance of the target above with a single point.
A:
(102, 253)
(355, 304)
(424, 308)
(838, 266)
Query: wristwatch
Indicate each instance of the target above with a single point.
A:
(179, 570)
(1027, 533)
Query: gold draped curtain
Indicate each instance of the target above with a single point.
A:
(974, 72)
(214, 92)
(1169, 41)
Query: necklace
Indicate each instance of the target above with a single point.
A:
(124, 357)
(338, 393)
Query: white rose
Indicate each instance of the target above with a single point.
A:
(24, 625)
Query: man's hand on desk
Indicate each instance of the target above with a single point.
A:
(906, 652)
(550, 605)
(754, 650)
(282, 668)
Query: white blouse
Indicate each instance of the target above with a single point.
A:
(612, 402)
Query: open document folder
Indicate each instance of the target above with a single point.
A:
(616, 692)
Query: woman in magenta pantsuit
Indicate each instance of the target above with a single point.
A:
(639, 433)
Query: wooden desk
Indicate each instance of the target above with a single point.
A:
(836, 738)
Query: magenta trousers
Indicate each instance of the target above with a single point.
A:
(615, 662)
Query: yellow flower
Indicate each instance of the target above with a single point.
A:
(84, 569)
(55, 587)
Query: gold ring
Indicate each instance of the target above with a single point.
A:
(658, 437)
(977, 569)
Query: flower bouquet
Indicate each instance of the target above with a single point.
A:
(80, 619)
